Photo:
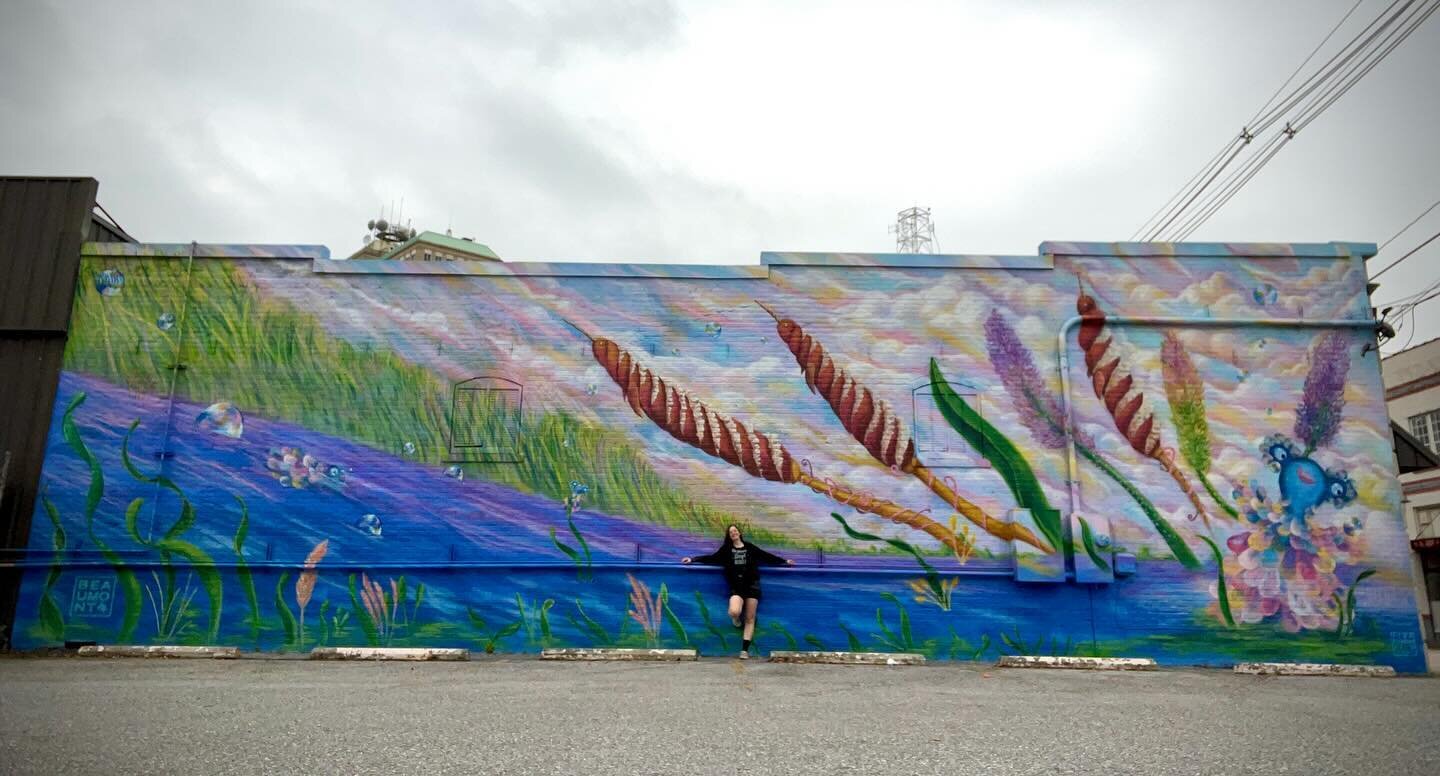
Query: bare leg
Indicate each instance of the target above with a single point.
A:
(752, 605)
(736, 605)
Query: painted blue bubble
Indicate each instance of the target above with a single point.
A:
(369, 524)
(109, 281)
(166, 321)
(1265, 294)
(409, 448)
(454, 471)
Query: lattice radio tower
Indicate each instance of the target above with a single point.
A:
(913, 231)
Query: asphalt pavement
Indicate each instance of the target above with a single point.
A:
(522, 716)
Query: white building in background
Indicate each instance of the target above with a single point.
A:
(1412, 393)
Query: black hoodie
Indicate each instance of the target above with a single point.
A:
(741, 564)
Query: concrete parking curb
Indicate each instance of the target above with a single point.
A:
(1081, 663)
(574, 653)
(849, 658)
(161, 650)
(387, 653)
(1312, 669)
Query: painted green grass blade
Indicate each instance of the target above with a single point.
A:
(984, 646)
(500, 636)
(854, 643)
(129, 583)
(545, 636)
(896, 543)
(1177, 545)
(287, 619)
(186, 521)
(710, 625)
(210, 579)
(814, 641)
(242, 571)
(132, 521)
(565, 548)
(779, 630)
(1349, 614)
(1087, 538)
(597, 631)
(584, 545)
(1220, 591)
(71, 433)
(1001, 453)
(1215, 496)
(675, 626)
(52, 621)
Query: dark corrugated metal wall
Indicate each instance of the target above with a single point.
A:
(42, 224)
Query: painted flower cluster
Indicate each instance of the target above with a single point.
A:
(1284, 563)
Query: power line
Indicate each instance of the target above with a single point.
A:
(1302, 65)
(1232, 185)
(1406, 256)
(1403, 32)
(1406, 228)
(1322, 89)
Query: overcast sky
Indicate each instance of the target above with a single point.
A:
(707, 132)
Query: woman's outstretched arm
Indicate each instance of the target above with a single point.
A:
(767, 558)
(713, 559)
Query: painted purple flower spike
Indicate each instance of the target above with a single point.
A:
(1318, 416)
(1039, 411)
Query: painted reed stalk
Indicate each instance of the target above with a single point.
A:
(1317, 419)
(374, 598)
(875, 426)
(1041, 414)
(1123, 398)
(1186, 392)
(645, 609)
(305, 584)
(759, 454)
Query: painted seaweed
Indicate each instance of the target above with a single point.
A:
(170, 543)
(129, 583)
(52, 621)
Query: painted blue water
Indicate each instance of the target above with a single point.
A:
(475, 546)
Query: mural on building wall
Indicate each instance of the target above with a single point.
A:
(280, 454)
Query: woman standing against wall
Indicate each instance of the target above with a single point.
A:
(742, 561)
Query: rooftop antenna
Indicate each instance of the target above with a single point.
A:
(914, 233)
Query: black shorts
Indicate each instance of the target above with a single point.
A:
(746, 590)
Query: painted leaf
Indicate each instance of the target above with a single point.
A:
(287, 619)
(1177, 545)
(129, 584)
(1220, 592)
(1087, 538)
(1000, 452)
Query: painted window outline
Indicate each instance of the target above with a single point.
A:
(926, 424)
(486, 446)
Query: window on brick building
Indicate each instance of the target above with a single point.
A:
(486, 420)
(937, 444)
(1426, 428)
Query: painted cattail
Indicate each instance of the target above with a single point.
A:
(1186, 392)
(691, 421)
(1123, 398)
(759, 454)
(305, 584)
(875, 426)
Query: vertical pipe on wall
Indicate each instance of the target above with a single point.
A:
(175, 369)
